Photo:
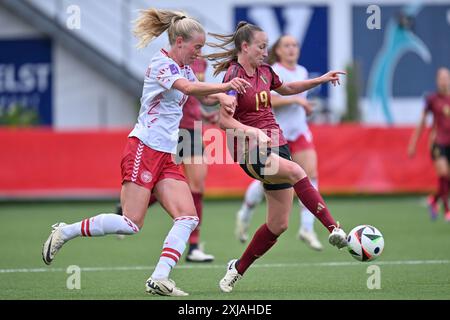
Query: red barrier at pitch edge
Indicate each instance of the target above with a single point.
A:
(352, 159)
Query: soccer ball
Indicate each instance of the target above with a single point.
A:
(365, 243)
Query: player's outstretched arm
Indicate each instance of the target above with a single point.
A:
(203, 88)
(296, 87)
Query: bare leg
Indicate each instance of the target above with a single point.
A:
(279, 205)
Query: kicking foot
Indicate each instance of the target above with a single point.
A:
(53, 244)
(338, 238)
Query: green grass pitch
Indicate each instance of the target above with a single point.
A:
(415, 263)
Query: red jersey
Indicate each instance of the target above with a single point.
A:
(254, 107)
(192, 109)
(439, 106)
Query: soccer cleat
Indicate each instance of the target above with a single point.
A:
(197, 255)
(447, 216)
(232, 275)
(310, 238)
(433, 207)
(338, 238)
(53, 244)
(241, 227)
(164, 287)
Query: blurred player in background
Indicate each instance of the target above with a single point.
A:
(291, 114)
(195, 168)
(147, 163)
(438, 104)
(243, 55)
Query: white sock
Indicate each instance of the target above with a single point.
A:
(253, 196)
(306, 217)
(174, 245)
(105, 223)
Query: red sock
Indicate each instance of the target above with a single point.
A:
(198, 203)
(262, 241)
(313, 201)
(443, 191)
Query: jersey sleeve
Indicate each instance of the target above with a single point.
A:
(167, 73)
(276, 81)
(232, 72)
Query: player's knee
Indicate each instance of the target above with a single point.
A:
(278, 228)
(295, 172)
(197, 187)
(284, 226)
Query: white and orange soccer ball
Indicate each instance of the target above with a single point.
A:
(365, 243)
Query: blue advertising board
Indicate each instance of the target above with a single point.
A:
(307, 23)
(26, 77)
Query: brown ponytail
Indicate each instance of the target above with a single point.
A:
(243, 33)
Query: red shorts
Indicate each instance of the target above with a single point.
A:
(146, 167)
(303, 142)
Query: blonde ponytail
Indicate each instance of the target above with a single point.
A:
(153, 22)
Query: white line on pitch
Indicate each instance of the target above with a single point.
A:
(221, 266)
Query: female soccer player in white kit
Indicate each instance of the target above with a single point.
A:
(290, 113)
(147, 163)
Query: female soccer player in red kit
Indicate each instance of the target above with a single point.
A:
(254, 117)
(190, 154)
(147, 163)
(438, 104)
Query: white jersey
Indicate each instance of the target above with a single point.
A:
(291, 118)
(161, 106)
